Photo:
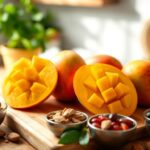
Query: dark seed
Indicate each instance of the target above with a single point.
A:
(113, 117)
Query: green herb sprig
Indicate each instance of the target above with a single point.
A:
(24, 25)
(75, 135)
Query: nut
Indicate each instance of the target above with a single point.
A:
(13, 137)
(105, 124)
(68, 112)
(67, 115)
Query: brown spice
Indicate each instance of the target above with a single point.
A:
(67, 115)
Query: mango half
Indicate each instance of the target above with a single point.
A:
(103, 88)
(29, 82)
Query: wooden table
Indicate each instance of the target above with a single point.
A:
(30, 123)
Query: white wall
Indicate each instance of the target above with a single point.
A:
(113, 30)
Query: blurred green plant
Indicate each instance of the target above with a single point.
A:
(23, 25)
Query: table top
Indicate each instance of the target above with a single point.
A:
(140, 144)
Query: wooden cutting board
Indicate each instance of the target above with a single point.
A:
(32, 126)
(21, 145)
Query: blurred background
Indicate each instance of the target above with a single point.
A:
(113, 29)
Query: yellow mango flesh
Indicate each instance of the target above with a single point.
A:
(29, 82)
(109, 91)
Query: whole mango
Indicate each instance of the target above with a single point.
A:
(66, 62)
(139, 73)
(105, 59)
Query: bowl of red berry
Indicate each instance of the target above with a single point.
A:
(112, 130)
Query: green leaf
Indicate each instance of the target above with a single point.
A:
(1, 1)
(35, 43)
(84, 137)
(38, 16)
(25, 2)
(69, 137)
(26, 43)
(9, 8)
(5, 17)
(12, 43)
(1, 4)
(15, 36)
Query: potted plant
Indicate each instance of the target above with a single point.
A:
(24, 30)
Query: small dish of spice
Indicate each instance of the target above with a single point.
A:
(60, 120)
(3, 108)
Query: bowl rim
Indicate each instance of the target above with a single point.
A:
(112, 131)
(145, 112)
(64, 124)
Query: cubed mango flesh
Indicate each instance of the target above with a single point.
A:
(90, 83)
(115, 107)
(113, 78)
(103, 83)
(96, 100)
(22, 87)
(121, 90)
(115, 92)
(97, 72)
(109, 95)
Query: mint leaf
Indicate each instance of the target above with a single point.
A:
(84, 137)
(68, 137)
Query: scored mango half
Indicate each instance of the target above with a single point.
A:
(29, 82)
(103, 88)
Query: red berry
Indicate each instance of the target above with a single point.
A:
(96, 125)
(95, 120)
(116, 127)
(126, 121)
(102, 118)
(124, 126)
(113, 117)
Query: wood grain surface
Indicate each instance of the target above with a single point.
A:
(22, 145)
(32, 126)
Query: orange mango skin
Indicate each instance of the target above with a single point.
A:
(139, 73)
(83, 94)
(66, 62)
(105, 59)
